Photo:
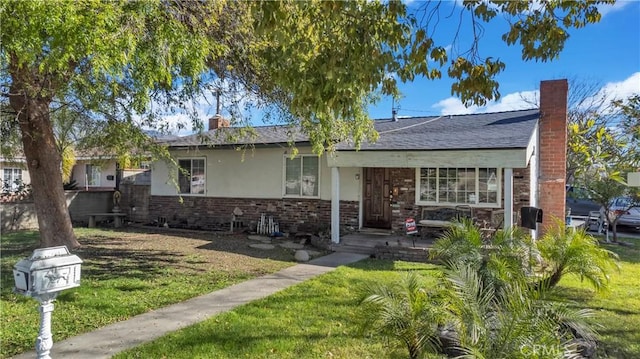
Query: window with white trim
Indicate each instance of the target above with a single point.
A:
(93, 174)
(191, 176)
(12, 179)
(472, 186)
(302, 175)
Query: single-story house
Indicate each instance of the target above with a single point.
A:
(491, 162)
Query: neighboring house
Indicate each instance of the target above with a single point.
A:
(493, 162)
(95, 178)
(89, 172)
(14, 174)
(92, 173)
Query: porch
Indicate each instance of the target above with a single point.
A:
(385, 245)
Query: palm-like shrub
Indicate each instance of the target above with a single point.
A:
(488, 304)
(515, 322)
(505, 257)
(573, 251)
(405, 311)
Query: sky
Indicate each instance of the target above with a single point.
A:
(606, 53)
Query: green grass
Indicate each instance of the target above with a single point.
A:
(617, 310)
(117, 283)
(319, 318)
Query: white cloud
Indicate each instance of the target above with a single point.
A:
(453, 106)
(621, 90)
(180, 121)
(522, 100)
(514, 101)
(510, 102)
(605, 9)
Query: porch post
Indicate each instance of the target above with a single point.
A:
(335, 205)
(508, 198)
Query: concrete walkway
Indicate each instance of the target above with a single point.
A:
(112, 339)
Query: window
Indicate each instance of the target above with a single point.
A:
(191, 176)
(301, 176)
(12, 179)
(93, 175)
(474, 186)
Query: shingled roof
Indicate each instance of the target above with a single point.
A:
(498, 130)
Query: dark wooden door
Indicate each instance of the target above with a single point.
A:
(377, 198)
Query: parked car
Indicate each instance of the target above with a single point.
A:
(627, 216)
(579, 201)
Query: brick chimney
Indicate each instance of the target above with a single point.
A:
(217, 121)
(553, 150)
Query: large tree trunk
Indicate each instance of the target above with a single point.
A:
(30, 96)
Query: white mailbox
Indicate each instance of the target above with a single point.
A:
(48, 270)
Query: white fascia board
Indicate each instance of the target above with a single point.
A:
(512, 158)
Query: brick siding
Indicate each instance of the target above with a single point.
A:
(292, 214)
(553, 149)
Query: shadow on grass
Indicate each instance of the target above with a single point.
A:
(116, 254)
(390, 265)
(628, 249)
(615, 343)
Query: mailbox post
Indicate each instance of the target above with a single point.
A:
(42, 276)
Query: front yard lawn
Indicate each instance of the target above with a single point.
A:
(320, 318)
(126, 273)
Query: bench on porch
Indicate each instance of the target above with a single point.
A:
(441, 217)
(117, 218)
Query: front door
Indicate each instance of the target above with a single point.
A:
(377, 198)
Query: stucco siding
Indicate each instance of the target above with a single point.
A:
(107, 174)
(249, 174)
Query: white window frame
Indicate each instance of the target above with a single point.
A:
(475, 204)
(191, 185)
(9, 185)
(284, 176)
(94, 179)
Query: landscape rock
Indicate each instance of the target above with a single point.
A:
(302, 256)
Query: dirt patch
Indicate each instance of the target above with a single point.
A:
(186, 250)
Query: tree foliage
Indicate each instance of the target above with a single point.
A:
(603, 146)
(317, 64)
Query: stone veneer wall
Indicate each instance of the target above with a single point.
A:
(292, 214)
